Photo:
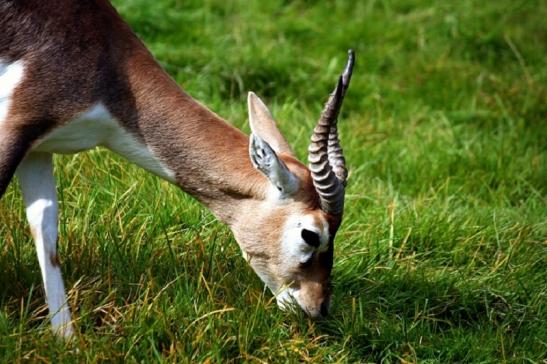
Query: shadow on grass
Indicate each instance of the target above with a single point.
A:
(392, 312)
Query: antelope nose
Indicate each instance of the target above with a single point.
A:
(324, 308)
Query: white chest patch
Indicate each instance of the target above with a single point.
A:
(11, 75)
(92, 128)
(97, 127)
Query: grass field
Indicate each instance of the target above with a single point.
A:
(442, 255)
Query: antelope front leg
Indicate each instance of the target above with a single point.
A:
(37, 183)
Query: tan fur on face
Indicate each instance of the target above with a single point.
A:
(259, 233)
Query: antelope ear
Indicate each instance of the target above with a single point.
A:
(266, 161)
(263, 125)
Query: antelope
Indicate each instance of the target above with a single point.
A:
(73, 76)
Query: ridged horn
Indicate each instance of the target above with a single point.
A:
(325, 156)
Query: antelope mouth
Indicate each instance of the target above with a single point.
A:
(289, 299)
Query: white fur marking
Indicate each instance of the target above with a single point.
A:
(11, 75)
(37, 183)
(286, 297)
(294, 249)
(97, 127)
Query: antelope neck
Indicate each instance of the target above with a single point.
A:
(207, 156)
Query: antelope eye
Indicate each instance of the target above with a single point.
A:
(310, 237)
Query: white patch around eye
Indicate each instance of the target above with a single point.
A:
(294, 248)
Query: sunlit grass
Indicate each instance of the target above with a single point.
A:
(442, 254)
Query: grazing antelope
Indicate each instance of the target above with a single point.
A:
(73, 76)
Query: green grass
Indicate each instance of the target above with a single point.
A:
(442, 254)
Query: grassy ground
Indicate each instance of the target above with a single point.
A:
(442, 255)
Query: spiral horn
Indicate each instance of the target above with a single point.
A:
(325, 156)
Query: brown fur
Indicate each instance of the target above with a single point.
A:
(79, 53)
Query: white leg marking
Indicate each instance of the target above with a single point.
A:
(10, 76)
(37, 183)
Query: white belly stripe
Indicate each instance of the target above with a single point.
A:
(97, 127)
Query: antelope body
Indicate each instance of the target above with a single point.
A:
(73, 76)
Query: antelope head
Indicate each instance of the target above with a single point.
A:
(288, 236)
